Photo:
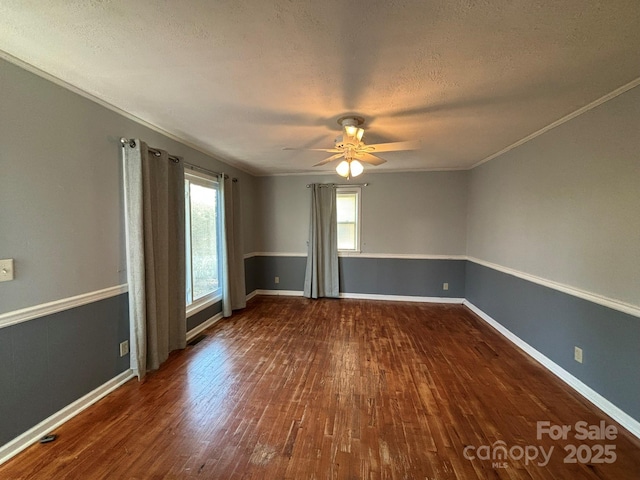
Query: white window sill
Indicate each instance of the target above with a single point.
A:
(203, 303)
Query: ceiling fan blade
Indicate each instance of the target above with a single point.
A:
(392, 147)
(329, 150)
(370, 159)
(330, 159)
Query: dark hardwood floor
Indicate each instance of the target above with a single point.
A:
(334, 389)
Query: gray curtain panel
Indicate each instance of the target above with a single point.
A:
(155, 229)
(234, 295)
(321, 277)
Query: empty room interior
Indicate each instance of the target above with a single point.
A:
(310, 240)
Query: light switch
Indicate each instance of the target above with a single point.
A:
(6, 270)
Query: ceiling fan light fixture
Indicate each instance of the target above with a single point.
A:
(343, 169)
(356, 168)
(349, 168)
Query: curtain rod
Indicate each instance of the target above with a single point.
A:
(339, 184)
(175, 159)
(205, 170)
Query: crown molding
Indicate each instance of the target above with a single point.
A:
(566, 118)
(367, 172)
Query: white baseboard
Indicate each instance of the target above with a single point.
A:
(251, 295)
(366, 296)
(587, 392)
(203, 326)
(282, 293)
(402, 298)
(49, 424)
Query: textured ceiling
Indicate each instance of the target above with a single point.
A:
(243, 79)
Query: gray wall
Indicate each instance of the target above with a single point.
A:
(202, 316)
(290, 271)
(403, 276)
(378, 276)
(49, 362)
(402, 213)
(250, 212)
(565, 206)
(420, 213)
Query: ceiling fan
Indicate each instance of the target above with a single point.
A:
(355, 152)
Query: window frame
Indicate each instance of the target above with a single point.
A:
(347, 189)
(199, 304)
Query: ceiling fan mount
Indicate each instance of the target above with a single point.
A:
(351, 147)
(350, 120)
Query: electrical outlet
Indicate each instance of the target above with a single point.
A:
(277, 280)
(6, 270)
(445, 286)
(124, 348)
(577, 354)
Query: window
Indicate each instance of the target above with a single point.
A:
(348, 213)
(202, 239)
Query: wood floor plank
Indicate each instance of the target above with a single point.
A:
(297, 389)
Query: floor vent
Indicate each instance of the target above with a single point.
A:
(196, 340)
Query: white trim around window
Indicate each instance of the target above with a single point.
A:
(204, 303)
(199, 304)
